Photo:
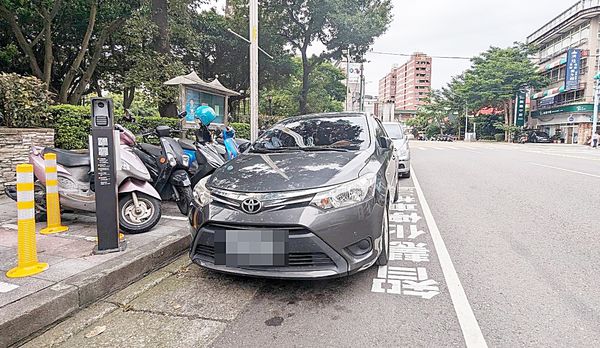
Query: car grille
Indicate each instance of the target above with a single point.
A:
(295, 259)
(298, 256)
(270, 201)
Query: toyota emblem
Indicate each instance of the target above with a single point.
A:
(251, 205)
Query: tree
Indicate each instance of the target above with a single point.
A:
(337, 24)
(327, 93)
(432, 117)
(63, 41)
(495, 78)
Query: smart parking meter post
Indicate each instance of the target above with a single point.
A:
(105, 146)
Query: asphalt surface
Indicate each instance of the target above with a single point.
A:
(511, 257)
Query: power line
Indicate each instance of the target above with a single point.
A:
(411, 54)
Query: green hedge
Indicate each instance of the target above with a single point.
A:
(499, 137)
(72, 125)
(242, 130)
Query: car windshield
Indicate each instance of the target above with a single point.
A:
(316, 133)
(394, 130)
(542, 134)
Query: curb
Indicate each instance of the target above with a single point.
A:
(37, 311)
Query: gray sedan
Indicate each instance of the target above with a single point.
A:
(308, 199)
(396, 132)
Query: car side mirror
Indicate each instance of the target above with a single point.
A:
(385, 143)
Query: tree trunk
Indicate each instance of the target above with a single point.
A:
(162, 44)
(63, 95)
(128, 95)
(75, 96)
(27, 48)
(160, 18)
(48, 55)
(305, 81)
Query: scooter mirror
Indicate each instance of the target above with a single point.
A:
(182, 114)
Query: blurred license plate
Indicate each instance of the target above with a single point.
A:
(236, 248)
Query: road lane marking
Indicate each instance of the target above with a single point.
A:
(566, 170)
(179, 218)
(468, 323)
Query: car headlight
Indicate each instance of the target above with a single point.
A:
(201, 193)
(172, 160)
(346, 194)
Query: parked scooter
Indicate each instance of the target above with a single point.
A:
(139, 202)
(168, 165)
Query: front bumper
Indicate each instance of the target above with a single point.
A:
(318, 244)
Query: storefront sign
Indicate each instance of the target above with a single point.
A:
(573, 65)
(566, 108)
(520, 109)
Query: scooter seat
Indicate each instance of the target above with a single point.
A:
(152, 150)
(187, 144)
(69, 158)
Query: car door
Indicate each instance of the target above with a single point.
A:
(391, 160)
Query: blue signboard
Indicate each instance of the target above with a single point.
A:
(573, 66)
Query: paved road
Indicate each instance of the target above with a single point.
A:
(508, 253)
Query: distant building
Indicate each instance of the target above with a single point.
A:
(406, 86)
(371, 105)
(562, 109)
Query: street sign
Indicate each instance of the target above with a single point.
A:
(520, 103)
(354, 72)
(573, 65)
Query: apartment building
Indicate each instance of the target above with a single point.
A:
(564, 109)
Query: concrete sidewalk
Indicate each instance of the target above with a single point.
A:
(75, 277)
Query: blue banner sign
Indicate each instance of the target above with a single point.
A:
(573, 66)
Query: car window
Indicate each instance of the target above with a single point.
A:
(349, 132)
(394, 130)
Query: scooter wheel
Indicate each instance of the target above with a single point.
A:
(139, 220)
(185, 198)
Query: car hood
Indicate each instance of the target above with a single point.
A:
(399, 143)
(289, 171)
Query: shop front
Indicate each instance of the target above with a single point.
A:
(568, 124)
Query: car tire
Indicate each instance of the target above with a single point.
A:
(383, 258)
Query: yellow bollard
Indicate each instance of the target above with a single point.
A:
(52, 199)
(27, 262)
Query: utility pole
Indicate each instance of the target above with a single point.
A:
(362, 88)
(466, 121)
(253, 70)
(347, 77)
(596, 91)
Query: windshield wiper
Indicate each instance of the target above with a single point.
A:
(324, 148)
(274, 150)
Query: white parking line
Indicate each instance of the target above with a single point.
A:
(566, 170)
(468, 323)
(180, 218)
(6, 287)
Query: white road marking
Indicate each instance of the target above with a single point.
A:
(566, 170)
(468, 323)
(180, 218)
(6, 287)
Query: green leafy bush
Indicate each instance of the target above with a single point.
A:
(499, 137)
(23, 100)
(72, 124)
(242, 130)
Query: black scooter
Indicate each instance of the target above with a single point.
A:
(168, 166)
(204, 154)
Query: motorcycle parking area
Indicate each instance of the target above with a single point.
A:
(76, 277)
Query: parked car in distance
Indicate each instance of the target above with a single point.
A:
(536, 137)
(309, 199)
(396, 132)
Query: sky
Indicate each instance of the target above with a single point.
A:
(452, 28)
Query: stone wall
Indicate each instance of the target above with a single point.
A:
(14, 148)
